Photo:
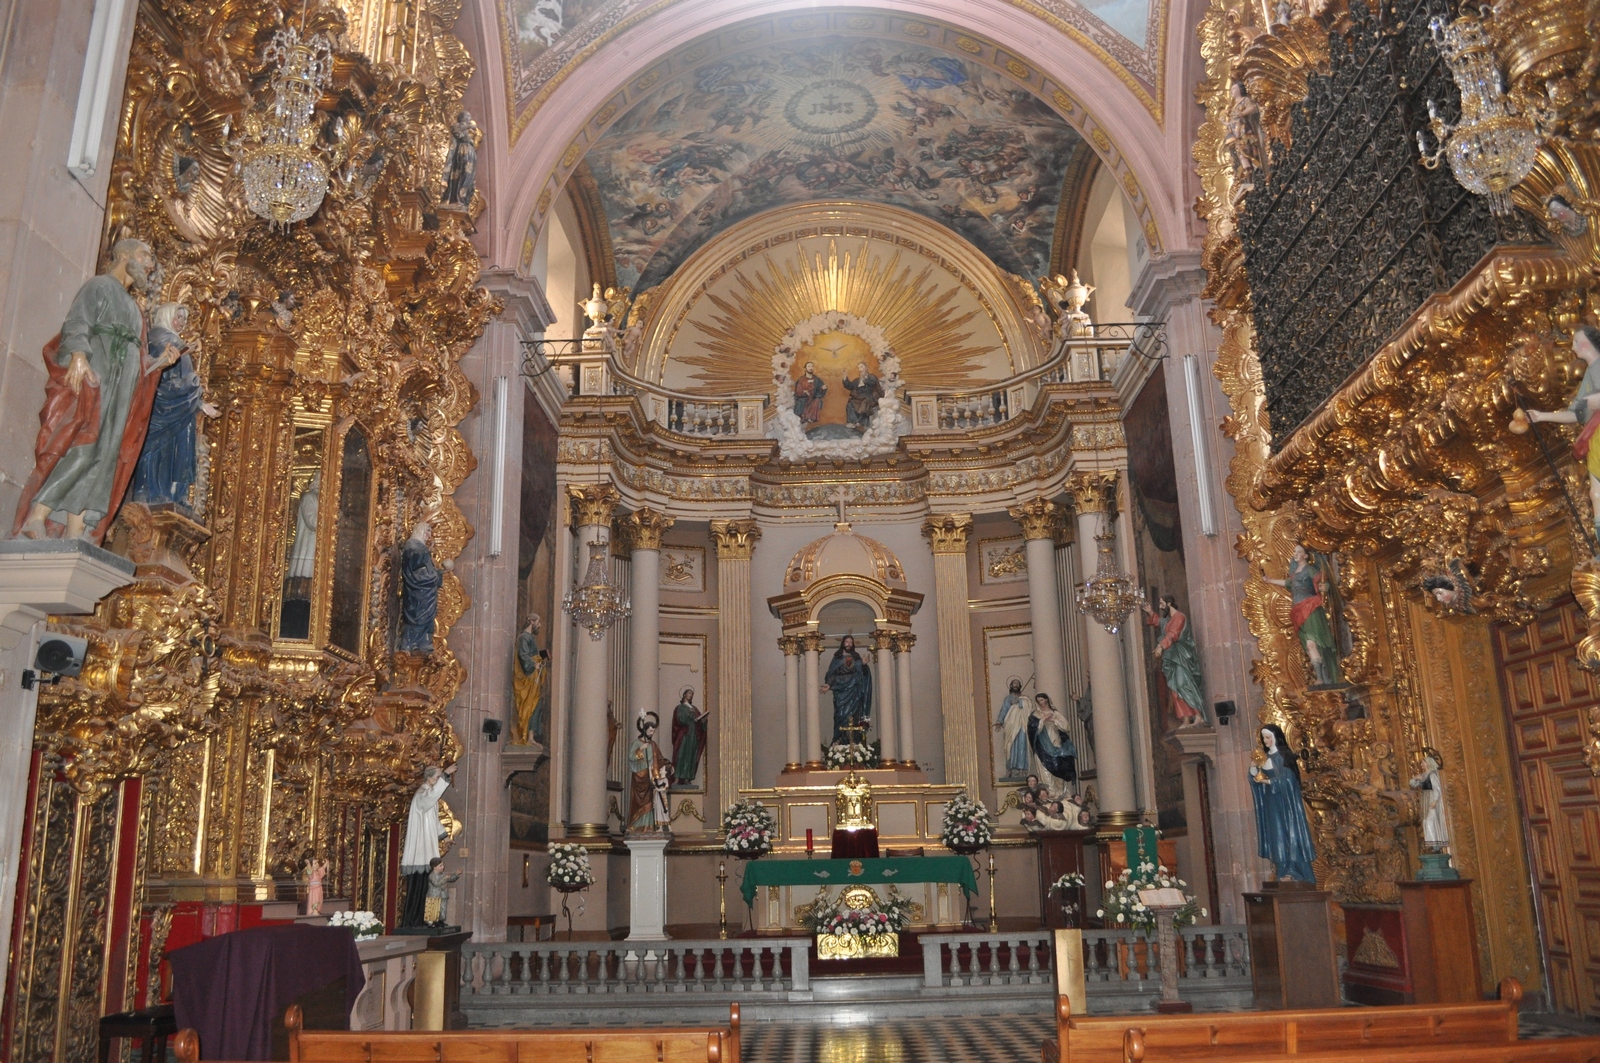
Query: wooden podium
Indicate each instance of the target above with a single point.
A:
(1292, 962)
(1423, 950)
(1061, 851)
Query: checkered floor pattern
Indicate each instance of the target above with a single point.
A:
(974, 1039)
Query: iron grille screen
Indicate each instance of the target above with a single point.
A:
(1347, 234)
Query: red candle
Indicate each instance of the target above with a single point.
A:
(809, 842)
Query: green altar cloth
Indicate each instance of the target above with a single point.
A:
(816, 872)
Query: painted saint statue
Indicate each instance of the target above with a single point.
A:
(865, 391)
(97, 400)
(1180, 660)
(808, 394)
(1052, 741)
(650, 777)
(849, 678)
(689, 726)
(1583, 410)
(1282, 833)
(1012, 723)
(530, 681)
(420, 580)
(166, 468)
(1310, 585)
(421, 845)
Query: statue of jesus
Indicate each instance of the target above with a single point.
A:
(849, 678)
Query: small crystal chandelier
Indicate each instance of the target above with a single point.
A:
(1493, 147)
(1108, 595)
(596, 604)
(285, 175)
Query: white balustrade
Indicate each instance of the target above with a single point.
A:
(735, 968)
(1024, 958)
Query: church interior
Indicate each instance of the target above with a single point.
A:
(913, 530)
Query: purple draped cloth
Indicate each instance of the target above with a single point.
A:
(229, 989)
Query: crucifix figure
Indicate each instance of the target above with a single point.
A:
(839, 500)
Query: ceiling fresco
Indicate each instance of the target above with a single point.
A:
(546, 40)
(827, 119)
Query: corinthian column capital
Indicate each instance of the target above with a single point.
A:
(948, 532)
(1094, 490)
(790, 645)
(735, 539)
(811, 642)
(644, 527)
(1038, 518)
(592, 503)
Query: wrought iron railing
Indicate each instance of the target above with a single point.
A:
(1346, 234)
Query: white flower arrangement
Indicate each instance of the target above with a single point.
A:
(1072, 880)
(569, 869)
(967, 824)
(748, 827)
(883, 431)
(366, 925)
(853, 755)
(1121, 907)
(824, 916)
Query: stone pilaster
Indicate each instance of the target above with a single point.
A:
(902, 662)
(948, 534)
(790, 645)
(592, 505)
(811, 645)
(883, 685)
(736, 543)
(484, 639)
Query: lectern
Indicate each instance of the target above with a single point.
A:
(1292, 961)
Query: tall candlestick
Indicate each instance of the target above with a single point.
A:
(722, 899)
(994, 923)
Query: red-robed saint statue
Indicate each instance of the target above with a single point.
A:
(96, 406)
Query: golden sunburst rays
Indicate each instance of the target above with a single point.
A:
(924, 321)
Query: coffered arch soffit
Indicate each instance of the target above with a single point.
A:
(608, 97)
(950, 316)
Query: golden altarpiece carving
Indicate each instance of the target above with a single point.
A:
(1445, 529)
(242, 706)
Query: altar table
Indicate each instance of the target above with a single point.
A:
(816, 872)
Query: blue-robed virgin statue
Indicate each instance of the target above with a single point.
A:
(1282, 833)
(849, 678)
(420, 580)
(166, 468)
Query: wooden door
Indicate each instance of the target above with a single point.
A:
(1549, 697)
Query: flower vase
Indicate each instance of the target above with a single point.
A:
(1069, 915)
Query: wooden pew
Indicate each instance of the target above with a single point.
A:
(678, 1044)
(1236, 1035)
(1550, 1050)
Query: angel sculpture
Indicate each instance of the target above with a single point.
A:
(1451, 589)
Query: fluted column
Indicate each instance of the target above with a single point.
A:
(902, 663)
(948, 534)
(790, 645)
(591, 506)
(1095, 496)
(1038, 519)
(736, 542)
(811, 642)
(643, 530)
(883, 686)
(1077, 672)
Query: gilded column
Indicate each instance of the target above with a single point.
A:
(812, 644)
(790, 645)
(736, 542)
(591, 505)
(1038, 519)
(948, 533)
(1095, 496)
(902, 661)
(643, 530)
(883, 686)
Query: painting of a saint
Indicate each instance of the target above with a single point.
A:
(1180, 659)
(809, 392)
(530, 686)
(865, 391)
(1314, 591)
(849, 679)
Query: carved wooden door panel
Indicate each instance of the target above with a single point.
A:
(1548, 697)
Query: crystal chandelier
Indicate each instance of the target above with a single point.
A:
(285, 175)
(1108, 595)
(596, 604)
(1493, 147)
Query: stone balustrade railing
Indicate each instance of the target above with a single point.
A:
(737, 969)
(1024, 958)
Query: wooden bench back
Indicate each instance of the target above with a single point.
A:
(1548, 1050)
(682, 1044)
(1131, 1039)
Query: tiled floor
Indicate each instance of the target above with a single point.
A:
(977, 1039)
